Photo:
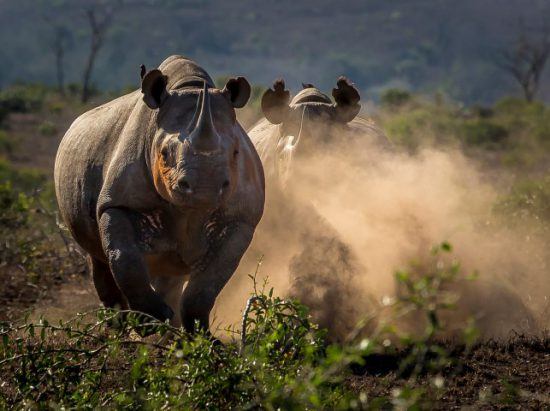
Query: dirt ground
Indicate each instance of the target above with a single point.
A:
(513, 374)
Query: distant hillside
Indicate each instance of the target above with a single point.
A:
(422, 45)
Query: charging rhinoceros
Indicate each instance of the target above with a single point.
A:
(163, 187)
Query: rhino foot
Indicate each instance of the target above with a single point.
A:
(153, 306)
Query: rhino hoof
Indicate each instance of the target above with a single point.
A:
(155, 307)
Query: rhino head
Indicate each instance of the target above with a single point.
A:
(195, 151)
(311, 113)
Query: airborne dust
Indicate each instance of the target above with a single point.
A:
(346, 217)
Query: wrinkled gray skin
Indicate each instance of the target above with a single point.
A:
(308, 123)
(163, 187)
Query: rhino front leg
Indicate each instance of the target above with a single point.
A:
(105, 285)
(206, 282)
(170, 289)
(127, 263)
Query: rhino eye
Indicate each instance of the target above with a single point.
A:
(235, 153)
(164, 153)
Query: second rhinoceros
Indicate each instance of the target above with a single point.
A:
(309, 123)
(162, 187)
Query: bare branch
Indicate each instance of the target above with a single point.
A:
(526, 59)
(99, 26)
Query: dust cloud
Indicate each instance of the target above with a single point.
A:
(340, 219)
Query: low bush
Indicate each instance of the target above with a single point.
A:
(281, 360)
(485, 133)
(394, 98)
(6, 143)
(23, 98)
(47, 128)
(32, 244)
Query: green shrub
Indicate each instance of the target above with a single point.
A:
(75, 364)
(47, 128)
(22, 179)
(56, 107)
(395, 97)
(74, 89)
(23, 98)
(31, 240)
(281, 361)
(484, 133)
(6, 143)
(408, 128)
(482, 111)
(14, 207)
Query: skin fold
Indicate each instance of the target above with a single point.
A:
(163, 189)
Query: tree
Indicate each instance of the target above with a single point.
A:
(526, 60)
(99, 21)
(59, 43)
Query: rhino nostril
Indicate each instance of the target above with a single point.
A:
(225, 185)
(183, 184)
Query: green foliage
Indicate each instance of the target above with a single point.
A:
(31, 240)
(281, 361)
(22, 179)
(71, 364)
(6, 143)
(420, 124)
(14, 207)
(47, 128)
(482, 132)
(23, 98)
(56, 107)
(516, 131)
(394, 98)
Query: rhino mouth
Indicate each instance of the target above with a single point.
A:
(207, 199)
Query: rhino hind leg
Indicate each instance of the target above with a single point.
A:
(105, 285)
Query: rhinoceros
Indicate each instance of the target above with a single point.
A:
(163, 188)
(322, 268)
(308, 122)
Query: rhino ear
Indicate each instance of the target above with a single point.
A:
(347, 99)
(275, 102)
(153, 87)
(237, 90)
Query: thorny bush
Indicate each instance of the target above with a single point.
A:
(280, 361)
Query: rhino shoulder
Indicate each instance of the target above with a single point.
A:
(247, 202)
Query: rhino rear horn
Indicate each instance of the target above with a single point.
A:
(153, 87)
(347, 99)
(275, 102)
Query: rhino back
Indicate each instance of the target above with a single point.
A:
(264, 137)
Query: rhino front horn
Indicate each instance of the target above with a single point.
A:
(204, 137)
